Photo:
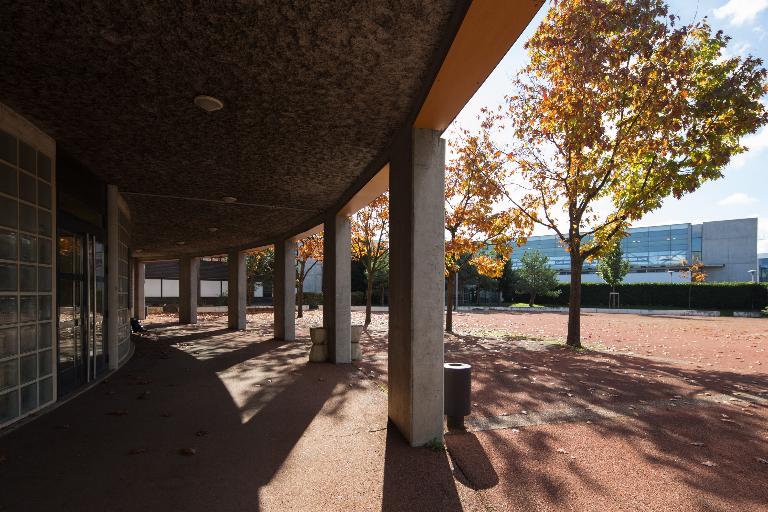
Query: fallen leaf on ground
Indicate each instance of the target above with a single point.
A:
(758, 459)
(560, 450)
(709, 464)
(696, 443)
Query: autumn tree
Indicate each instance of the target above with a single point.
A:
(536, 277)
(478, 233)
(370, 244)
(259, 267)
(310, 251)
(620, 107)
(612, 267)
(695, 273)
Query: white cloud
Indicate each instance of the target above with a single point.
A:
(741, 11)
(755, 144)
(737, 199)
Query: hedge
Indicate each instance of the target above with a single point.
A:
(720, 296)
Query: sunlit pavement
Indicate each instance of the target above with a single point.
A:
(203, 418)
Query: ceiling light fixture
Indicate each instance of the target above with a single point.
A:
(229, 199)
(180, 242)
(213, 230)
(209, 103)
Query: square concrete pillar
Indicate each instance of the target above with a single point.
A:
(189, 281)
(113, 263)
(139, 305)
(284, 294)
(236, 290)
(416, 285)
(337, 288)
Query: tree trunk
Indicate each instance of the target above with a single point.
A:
(368, 300)
(300, 291)
(450, 302)
(532, 299)
(574, 303)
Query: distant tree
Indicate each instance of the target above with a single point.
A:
(620, 107)
(310, 251)
(536, 276)
(259, 267)
(612, 267)
(508, 282)
(370, 244)
(478, 233)
(695, 274)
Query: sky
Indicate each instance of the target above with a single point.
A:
(743, 190)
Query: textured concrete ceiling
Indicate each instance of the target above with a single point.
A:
(313, 93)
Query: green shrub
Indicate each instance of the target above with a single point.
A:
(734, 296)
(313, 299)
(358, 298)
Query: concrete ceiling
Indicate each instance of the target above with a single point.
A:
(313, 93)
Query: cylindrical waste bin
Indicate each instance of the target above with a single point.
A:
(458, 393)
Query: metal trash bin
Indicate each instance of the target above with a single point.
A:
(458, 393)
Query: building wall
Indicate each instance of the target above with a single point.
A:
(732, 244)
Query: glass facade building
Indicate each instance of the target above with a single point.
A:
(646, 248)
(762, 265)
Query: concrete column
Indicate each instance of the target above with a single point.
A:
(236, 290)
(113, 259)
(284, 294)
(139, 309)
(416, 285)
(337, 288)
(189, 282)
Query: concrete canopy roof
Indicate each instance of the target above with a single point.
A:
(313, 92)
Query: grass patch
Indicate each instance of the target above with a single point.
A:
(436, 445)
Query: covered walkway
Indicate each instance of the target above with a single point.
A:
(268, 430)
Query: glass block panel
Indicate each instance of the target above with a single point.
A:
(9, 376)
(28, 248)
(27, 218)
(44, 194)
(27, 278)
(44, 251)
(7, 147)
(45, 388)
(44, 362)
(8, 310)
(27, 157)
(27, 187)
(9, 343)
(44, 309)
(29, 398)
(43, 167)
(8, 247)
(27, 309)
(9, 406)
(28, 365)
(44, 223)
(9, 214)
(27, 339)
(44, 279)
(44, 335)
(8, 179)
(8, 278)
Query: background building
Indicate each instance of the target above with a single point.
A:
(728, 249)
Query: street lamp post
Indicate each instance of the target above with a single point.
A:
(752, 275)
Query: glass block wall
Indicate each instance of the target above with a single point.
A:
(124, 290)
(26, 278)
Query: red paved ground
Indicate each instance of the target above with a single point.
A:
(656, 414)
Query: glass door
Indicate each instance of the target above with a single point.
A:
(71, 357)
(82, 353)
